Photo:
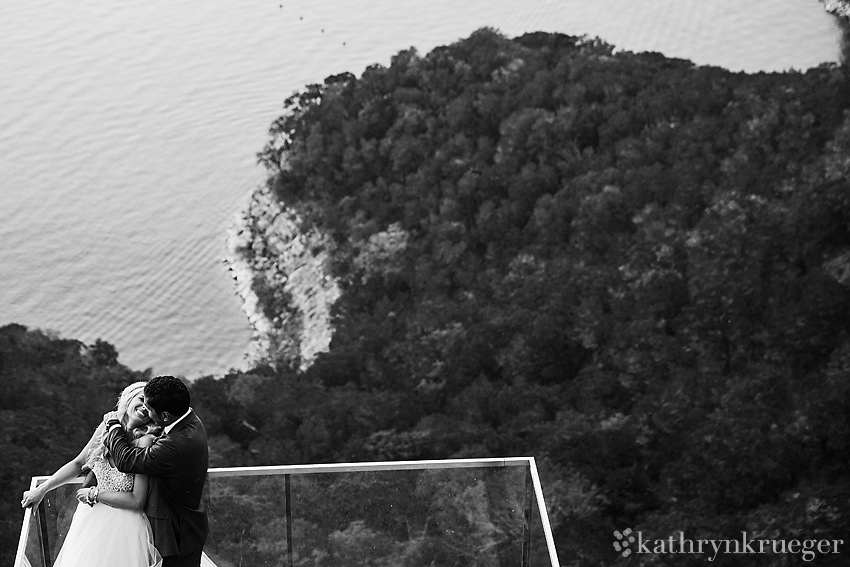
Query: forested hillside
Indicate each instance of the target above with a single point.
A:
(632, 268)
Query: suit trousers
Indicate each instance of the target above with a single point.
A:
(192, 559)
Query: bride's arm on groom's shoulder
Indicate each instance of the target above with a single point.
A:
(125, 500)
(66, 473)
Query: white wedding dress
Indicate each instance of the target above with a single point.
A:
(103, 536)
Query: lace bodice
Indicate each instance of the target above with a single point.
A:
(110, 478)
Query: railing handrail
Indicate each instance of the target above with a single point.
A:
(366, 466)
(371, 466)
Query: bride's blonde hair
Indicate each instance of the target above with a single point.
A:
(124, 399)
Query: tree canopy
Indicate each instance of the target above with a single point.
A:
(627, 265)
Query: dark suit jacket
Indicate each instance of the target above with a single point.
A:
(176, 463)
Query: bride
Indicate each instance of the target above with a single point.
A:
(109, 527)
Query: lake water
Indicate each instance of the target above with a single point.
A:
(129, 128)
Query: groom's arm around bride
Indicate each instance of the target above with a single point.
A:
(177, 464)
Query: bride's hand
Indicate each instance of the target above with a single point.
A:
(32, 498)
(83, 496)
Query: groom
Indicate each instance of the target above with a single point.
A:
(176, 463)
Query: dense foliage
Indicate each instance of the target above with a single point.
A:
(628, 266)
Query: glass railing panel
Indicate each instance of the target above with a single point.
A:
(29, 550)
(429, 517)
(247, 516)
(47, 526)
(538, 552)
(458, 514)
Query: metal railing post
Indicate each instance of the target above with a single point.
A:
(43, 538)
(526, 524)
(544, 514)
(287, 496)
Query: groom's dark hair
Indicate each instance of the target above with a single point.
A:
(167, 393)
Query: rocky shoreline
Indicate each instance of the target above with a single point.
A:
(270, 253)
(837, 7)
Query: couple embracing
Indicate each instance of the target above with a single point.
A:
(150, 461)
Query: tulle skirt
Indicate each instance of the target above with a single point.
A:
(102, 536)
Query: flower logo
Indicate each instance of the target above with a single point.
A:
(623, 541)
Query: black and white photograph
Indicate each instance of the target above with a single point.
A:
(553, 283)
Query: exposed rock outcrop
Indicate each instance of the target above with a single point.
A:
(837, 7)
(281, 274)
